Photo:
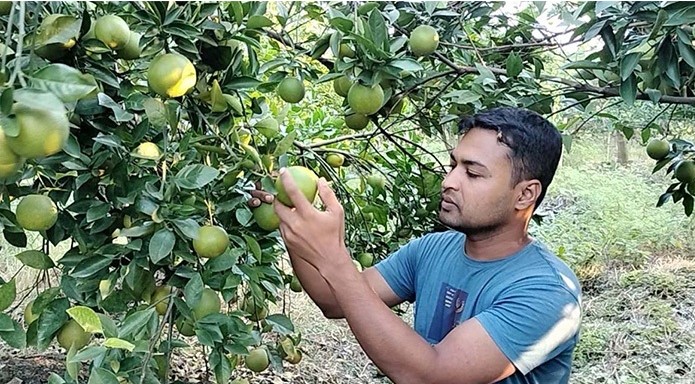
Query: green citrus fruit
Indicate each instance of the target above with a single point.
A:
(112, 31)
(266, 218)
(171, 75)
(36, 213)
(41, 132)
(257, 360)
(365, 100)
(295, 285)
(29, 315)
(268, 127)
(376, 181)
(658, 149)
(365, 259)
(423, 40)
(160, 298)
(305, 179)
(209, 303)
(258, 311)
(335, 160)
(356, 121)
(132, 49)
(184, 326)
(291, 89)
(211, 242)
(9, 161)
(357, 265)
(341, 85)
(148, 150)
(71, 334)
(685, 171)
(345, 51)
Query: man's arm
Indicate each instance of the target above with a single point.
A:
(321, 294)
(466, 355)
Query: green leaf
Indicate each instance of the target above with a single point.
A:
(258, 22)
(195, 176)
(188, 227)
(55, 379)
(86, 318)
(514, 65)
(35, 259)
(628, 90)
(688, 203)
(583, 64)
(52, 317)
(220, 366)
(90, 266)
(113, 342)
(193, 290)
(646, 134)
(567, 142)
(406, 65)
(218, 103)
(155, 111)
(281, 323)
(237, 11)
(629, 63)
(285, 144)
(243, 82)
(6, 323)
(90, 353)
(66, 82)
(161, 245)
(8, 293)
(377, 25)
(253, 246)
(6, 101)
(661, 18)
(654, 95)
(102, 376)
(16, 338)
(119, 113)
(136, 322)
(39, 99)
(687, 52)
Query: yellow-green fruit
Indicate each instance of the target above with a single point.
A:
(376, 181)
(9, 161)
(294, 358)
(257, 360)
(342, 85)
(356, 121)
(171, 75)
(72, 334)
(267, 127)
(132, 49)
(685, 171)
(41, 132)
(266, 218)
(29, 315)
(658, 149)
(36, 213)
(211, 242)
(184, 326)
(335, 160)
(423, 40)
(365, 100)
(148, 150)
(112, 31)
(209, 303)
(305, 180)
(295, 285)
(345, 51)
(5, 7)
(366, 259)
(160, 298)
(291, 89)
(245, 135)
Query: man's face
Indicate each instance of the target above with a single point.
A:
(477, 195)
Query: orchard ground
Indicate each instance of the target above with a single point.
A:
(634, 261)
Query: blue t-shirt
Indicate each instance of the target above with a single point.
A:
(528, 302)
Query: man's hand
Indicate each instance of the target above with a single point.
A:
(259, 196)
(317, 237)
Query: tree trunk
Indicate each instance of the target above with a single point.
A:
(618, 148)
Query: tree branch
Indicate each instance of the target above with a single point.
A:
(276, 36)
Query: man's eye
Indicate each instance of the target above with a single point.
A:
(473, 175)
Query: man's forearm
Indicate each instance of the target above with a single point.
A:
(316, 287)
(388, 341)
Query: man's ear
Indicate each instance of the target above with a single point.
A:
(528, 193)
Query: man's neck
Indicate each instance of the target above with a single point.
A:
(496, 245)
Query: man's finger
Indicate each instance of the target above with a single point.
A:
(254, 202)
(284, 212)
(328, 197)
(296, 196)
(262, 195)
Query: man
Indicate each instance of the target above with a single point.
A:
(492, 304)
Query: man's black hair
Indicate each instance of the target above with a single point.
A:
(535, 143)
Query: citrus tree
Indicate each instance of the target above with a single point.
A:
(132, 134)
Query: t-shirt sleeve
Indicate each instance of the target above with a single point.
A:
(533, 323)
(399, 268)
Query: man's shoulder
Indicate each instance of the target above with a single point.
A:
(442, 239)
(549, 267)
